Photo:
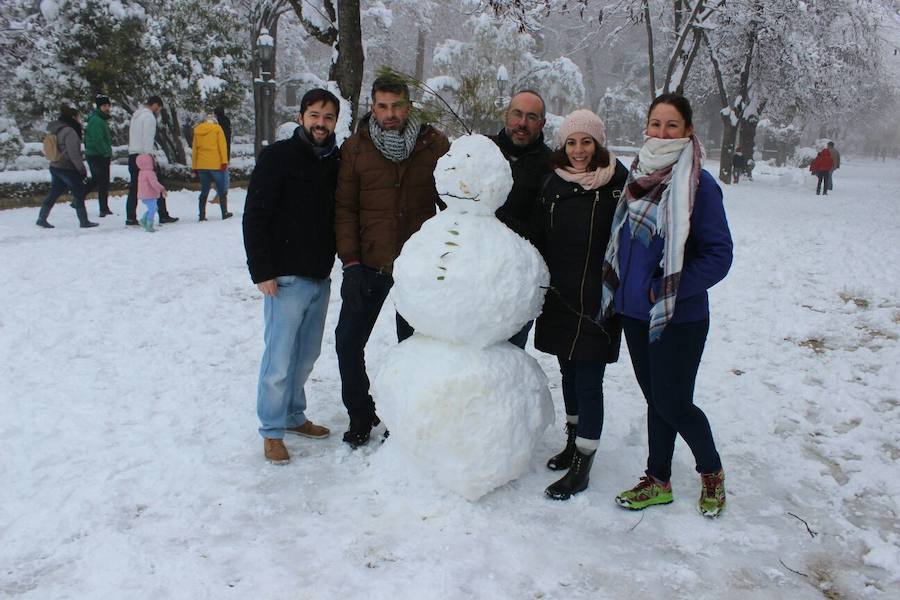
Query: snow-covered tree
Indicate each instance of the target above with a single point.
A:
(469, 72)
(184, 50)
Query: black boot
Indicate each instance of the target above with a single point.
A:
(563, 460)
(202, 209)
(223, 204)
(576, 480)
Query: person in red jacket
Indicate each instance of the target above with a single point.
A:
(821, 167)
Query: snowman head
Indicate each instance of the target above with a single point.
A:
(473, 177)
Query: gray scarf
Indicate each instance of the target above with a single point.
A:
(395, 146)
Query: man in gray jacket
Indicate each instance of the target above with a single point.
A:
(141, 138)
(67, 171)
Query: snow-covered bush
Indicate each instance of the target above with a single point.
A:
(10, 142)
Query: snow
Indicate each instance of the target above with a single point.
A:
(464, 417)
(131, 465)
(210, 84)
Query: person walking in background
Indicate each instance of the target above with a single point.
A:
(209, 159)
(835, 164)
(385, 192)
(225, 124)
(821, 167)
(669, 244)
(141, 140)
(738, 165)
(522, 143)
(289, 239)
(98, 150)
(571, 226)
(67, 171)
(149, 189)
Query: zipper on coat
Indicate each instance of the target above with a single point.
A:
(552, 205)
(587, 258)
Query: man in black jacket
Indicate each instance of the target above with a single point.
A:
(290, 244)
(522, 143)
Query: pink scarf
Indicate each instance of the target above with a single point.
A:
(589, 180)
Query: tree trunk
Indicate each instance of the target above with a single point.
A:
(729, 131)
(169, 135)
(347, 70)
(748, 136)
(420, 57)
(650, 58)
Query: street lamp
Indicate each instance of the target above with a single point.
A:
(264, 91)
(502, 80)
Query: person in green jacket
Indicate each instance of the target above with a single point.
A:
(98, 151)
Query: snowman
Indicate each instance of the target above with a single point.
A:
(465, 406)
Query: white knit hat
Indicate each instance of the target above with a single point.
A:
(582, 121)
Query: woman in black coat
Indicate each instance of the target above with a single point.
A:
(571, 227)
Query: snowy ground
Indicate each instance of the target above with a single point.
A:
(131, 467)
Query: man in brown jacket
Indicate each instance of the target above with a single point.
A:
(385, 192)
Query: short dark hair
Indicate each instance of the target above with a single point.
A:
(533, 93)
(681, 104)
(154, 99)
(316, 95)
(68, 112)
(831, 144)
(394, 85)
(559, 159)
(219, 111)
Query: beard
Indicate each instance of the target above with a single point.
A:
(311, 135)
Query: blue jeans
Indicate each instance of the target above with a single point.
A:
(61, 181)
(295, 324)
(582, 389)
(209, 177)
(666, 371)
(150, 215)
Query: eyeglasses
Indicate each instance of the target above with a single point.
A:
(518, 115)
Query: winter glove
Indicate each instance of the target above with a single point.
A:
(354, 287)
(224, 167)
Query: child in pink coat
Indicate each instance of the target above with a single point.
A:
(149, 189)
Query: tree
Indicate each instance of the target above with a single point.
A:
(340, 28)
(183, 50)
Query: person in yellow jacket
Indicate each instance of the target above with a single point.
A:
(210, 161)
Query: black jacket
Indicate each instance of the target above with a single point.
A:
(571, 230)
(289, 211)
(530, 165)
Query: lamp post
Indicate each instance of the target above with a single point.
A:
(264, 91)
(502, 80)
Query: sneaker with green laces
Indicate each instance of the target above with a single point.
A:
(646, 493)
(712, 494)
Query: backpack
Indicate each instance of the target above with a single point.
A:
(51, 147)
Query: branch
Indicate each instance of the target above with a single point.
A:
(650, 58)
(720, 83)
(682, 37)
(327, 36)
(791, 570)
(811, 532)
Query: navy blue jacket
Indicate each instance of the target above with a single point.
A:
(707, 258)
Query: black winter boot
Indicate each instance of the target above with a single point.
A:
(202, 208)
(576, 480)
(223, 204)
(563, 460)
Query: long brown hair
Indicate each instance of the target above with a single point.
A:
(560, 160)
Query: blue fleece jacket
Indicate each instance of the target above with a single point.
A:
(707, 258)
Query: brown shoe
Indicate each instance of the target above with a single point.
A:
(275, 452)
(310, 430)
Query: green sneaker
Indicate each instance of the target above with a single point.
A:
(646, 493)
(712, 494)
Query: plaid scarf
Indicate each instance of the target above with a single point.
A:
(394, 145)
(658, 200)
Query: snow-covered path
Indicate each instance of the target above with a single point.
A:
(130, 466)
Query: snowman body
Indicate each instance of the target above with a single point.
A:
(463, 404)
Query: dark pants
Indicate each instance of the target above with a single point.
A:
(666, 371)
(824, 177)
(61, 181)
(521, 338)
(131, 202)
(100, 180)
(354, 327)
(582, 388)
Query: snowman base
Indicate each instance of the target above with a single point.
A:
(465, 417)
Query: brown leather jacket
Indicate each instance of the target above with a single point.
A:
(379, 204)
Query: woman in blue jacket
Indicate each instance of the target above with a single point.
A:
(670, 243)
